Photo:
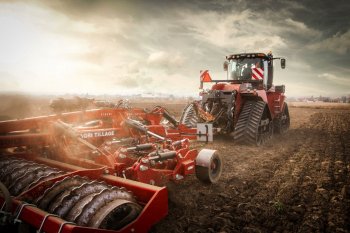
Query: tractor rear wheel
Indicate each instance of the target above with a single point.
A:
(281, 124)
(253, 126)
(208, 166)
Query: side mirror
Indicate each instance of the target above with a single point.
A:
(283, 63)
(225, 65)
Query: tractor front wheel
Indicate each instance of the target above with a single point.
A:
(208, 166)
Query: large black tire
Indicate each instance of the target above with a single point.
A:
(211, 173)
(282, 123)
(248, 129)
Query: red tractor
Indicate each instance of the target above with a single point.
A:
(246, 104)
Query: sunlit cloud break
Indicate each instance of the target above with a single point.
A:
(134, 47)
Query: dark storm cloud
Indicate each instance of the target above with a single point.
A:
(330, 17)
(138, 9)
(173, 40)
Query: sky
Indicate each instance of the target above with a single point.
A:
(134, 47)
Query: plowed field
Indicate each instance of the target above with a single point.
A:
(297, 182)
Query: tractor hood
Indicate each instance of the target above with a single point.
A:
(225, 87)
(226, 91)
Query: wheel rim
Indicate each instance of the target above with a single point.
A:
(214, 167)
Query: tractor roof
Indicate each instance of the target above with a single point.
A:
(248, 55)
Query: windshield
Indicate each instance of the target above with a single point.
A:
(246, 69)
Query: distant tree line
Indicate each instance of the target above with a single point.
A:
(326, 99)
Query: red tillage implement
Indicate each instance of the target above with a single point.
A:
(96, 170)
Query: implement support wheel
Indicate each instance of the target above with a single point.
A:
(208, 166)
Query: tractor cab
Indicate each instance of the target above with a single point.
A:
(255, 68)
